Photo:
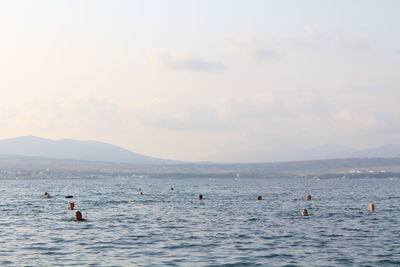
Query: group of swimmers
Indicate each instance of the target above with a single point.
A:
(71, 206)
(79, 218)
(304, 212)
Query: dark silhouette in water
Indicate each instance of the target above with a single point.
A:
(47, 195)
(71, 205)
(69, 196)
(259, 198)
(78, 217)
(200, 197)
(308, 197)
(304, 212)
(371, 206)
(141, 193)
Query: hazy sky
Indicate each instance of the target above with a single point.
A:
(202, 80)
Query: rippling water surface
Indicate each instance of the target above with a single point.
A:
(229, 227)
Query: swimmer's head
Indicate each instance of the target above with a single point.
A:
(78, 216)
(141, 192)
(200, 196)
(259, 198)
(308, 197)
(172, 189)
(304, 212)
(371, 206)
(71, 205)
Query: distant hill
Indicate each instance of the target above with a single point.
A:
(30, 146)
(72, 149)
(387, 151)
(337, 152)
(14, 166)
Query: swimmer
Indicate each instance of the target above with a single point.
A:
(304, 212)
(308, 197)
(47, 195)
(371, 206)
(172, 189)
(200, 197)
(141, 193)
(71, 205)
(259, 198)
(78, 217)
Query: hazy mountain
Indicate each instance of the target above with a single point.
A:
(337, 151)
(97, 151)
(14, 166)
(327, 152)
(382, 151)
(73, 149)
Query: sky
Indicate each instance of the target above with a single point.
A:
(226, 81)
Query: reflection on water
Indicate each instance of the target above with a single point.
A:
(229, 226)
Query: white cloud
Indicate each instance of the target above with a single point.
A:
(346, 118)
(183, 62)
(65, 116)
(198, 118)
(331, 39)
(353, 42)
(311, 34)
(250, 48)
(233, 113)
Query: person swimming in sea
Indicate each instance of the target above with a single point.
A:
(200, 197)
(371, 206)
(259, 198)
(47, 195)
(71, 205)
(78, 217)
(308, 197)
(304, 212)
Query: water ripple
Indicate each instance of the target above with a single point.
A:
(229, 227)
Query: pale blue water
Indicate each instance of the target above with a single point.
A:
(173, 228)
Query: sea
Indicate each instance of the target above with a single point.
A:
(229, 227)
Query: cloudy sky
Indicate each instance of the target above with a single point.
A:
(202, 80)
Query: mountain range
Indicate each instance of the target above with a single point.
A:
(72, 149)
(32, 146)
(337, 152)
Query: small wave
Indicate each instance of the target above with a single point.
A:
(109, 202)
(387, 261)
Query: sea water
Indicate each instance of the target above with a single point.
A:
(229, 227)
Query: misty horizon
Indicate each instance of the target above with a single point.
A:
(93, 150)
